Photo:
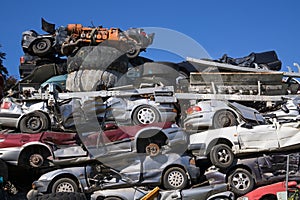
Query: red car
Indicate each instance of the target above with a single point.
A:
(31, 150)
(271, 192)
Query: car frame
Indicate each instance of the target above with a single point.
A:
(32, 150)
(133, 110)
(215, 114)
(224, 144)
(142, 169)
(250, 172)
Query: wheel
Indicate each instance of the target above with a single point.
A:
(221, 156)
(132, 53)
(152, 149)
(224, 118)
(41, 47)
(63, 196)
(34, 157)
(240, 181)
(112, 198)
(145, 115)
(64, 185)
(34, 123)
(175, 178)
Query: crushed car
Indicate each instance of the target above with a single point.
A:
(63, 41)
(214, 188)
(215, 114)
(252, 136)
(32, 150)
(171, 171)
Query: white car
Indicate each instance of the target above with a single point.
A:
(222, 145)
(289, 110)
(215, 114)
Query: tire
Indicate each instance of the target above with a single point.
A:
(63, 196)
(133, 53)
(112, 198)
(64, 185)
(152, 149)
(34, 158)
(41, 47)
(240, 181)
(221, 156)
(223, 119)
(145, 114)
(34, 123)
(175, 178)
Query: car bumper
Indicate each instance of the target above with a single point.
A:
(10, 155)
(198, 120)
(9, 119)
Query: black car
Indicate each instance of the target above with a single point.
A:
(248, 173)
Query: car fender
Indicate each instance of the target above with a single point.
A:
(79, 173)
(36, 143)
(214, 136)
(143, 131)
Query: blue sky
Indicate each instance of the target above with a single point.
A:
(234, 27)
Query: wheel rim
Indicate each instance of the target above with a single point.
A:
(42, 45)
(36, 160)
(65, 187)
(175, 179)
(34, 123)
(223, 156)
(152, 149)
(146, 116)
(241, 181)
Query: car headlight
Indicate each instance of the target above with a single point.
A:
(2, 139)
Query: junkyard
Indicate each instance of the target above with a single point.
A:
(91, 118)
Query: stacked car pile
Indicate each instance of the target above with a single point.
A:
(95, 120)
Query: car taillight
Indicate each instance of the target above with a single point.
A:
(5, 105)
(193, 109)
(22, 60)
(144, 33)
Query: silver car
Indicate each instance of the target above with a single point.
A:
(29, 118)
(215, 114)
(171, 171)
(136, 111)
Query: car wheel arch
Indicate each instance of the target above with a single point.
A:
(29, 147)
(218, 141)
(61, 176)
(147, 134)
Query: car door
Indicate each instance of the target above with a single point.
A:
(258, 137)
(288, 134)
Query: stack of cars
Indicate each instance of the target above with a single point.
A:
(107, 123)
